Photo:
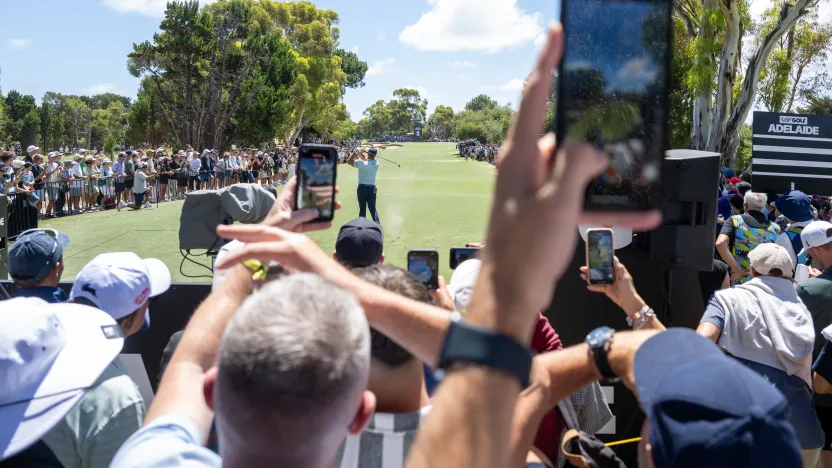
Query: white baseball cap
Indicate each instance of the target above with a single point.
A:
(121, 282)
(17, 163)
(816, 234)
(769, 256)
(462, 282)
(32, 149)
(50, 355)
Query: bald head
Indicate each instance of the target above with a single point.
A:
(293, 369)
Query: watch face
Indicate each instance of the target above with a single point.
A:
(598, 336)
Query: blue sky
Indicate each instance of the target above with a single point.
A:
(450, 50)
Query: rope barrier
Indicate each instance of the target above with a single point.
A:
(622, 442)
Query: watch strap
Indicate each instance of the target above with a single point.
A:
(599, 353)
(465, 343)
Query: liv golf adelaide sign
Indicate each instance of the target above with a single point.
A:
(792, 152)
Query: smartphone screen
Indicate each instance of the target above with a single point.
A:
(612, 93)
(461, 254)
(599, 256)
(424, 265)
(316, 174)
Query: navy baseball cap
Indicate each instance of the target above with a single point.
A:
(35, 253)
(373, 151)
(707, 409)
(796, 206)
(360, 242)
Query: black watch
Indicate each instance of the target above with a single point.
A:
(599, 342)
(470, 344)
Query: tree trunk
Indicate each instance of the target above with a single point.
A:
(729, 140)
(702, 104)
(727, 73)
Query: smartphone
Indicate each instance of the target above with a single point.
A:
(460, 254)
(613, 93)
(424, 265)
(316, 175)
(599, 256)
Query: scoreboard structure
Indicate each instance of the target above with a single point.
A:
(792, 152)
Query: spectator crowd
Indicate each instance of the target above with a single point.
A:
(473, 149)
(301, 358)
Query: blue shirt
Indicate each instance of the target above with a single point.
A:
(367, 171)
(47, 293)
(169, 441)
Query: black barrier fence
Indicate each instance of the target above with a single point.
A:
(32, 202)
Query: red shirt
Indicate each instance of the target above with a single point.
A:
(545, 339)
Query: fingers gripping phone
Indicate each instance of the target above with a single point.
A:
(424, 265)
(461, 254)
(600, 264)
(613, 93)
(316, 175)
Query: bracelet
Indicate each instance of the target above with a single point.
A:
(642, 316)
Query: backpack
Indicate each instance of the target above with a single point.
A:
(583, 450)
(797, 245)
(110, 203)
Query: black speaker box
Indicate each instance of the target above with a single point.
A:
(685, 240)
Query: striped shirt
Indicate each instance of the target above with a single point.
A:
(384, 443)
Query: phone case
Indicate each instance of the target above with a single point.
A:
(588, 231)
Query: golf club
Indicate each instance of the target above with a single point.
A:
(379, 157)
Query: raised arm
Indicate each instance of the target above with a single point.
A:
(180, 390)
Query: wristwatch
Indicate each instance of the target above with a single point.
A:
(470, 344)
(599, 343)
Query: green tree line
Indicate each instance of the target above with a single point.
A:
(232, 72)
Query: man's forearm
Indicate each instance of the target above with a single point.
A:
(470, 421)
(181, 387)
(727, 257)
(418, 327)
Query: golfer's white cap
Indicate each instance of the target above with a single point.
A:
(121, 282)
(50, 355)
(462, 282)
(32, 148)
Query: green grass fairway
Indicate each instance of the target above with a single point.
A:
(436, 200)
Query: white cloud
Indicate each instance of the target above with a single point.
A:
(354, 49)
(382, 67)
(155, 8)
(637, 69)
(482, 25)
(101, 88)
(511, 85)
(462, 64)
(19, 44)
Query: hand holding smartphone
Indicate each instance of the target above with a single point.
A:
(316, 176)
(600, 262)
(461, 254)
(424, 265)
(613, 93)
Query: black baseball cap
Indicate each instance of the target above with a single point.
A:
(360, 243)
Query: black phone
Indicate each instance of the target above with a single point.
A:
(424, 265)
(460, 254)
(600, 259)
(613, 93)
(316, 176)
